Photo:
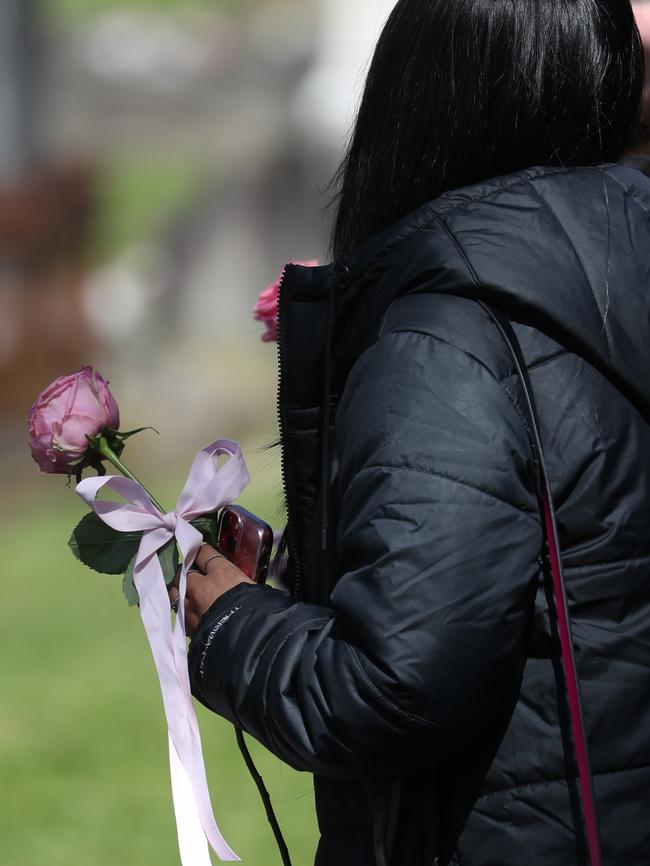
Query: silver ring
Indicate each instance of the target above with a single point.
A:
(214, 556)
(174, 604)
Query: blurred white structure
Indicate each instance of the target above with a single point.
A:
(326, 102)
(156, 51)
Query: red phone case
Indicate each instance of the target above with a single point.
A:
(246, 540)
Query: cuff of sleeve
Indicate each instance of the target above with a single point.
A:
(229, 604)
(236, 596)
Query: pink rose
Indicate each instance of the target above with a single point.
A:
(67, 411)
(266, 308)
(642, 15)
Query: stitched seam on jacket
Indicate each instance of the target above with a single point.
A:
(423, 470)
(542, 783)
(427, 334)
(550, 172)
(629, 194)
(522, 417)
(578, 258)
(590, 565)
(411, 717)
(537, 364)
(297, 410)
(411, 228)
(402, 236)
(319, 619)
(425, 224)
(461, 252)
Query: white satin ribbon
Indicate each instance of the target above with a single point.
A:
(206, 490)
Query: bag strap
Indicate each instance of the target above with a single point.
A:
(551, 538)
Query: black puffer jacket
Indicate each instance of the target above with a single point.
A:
(414, 670)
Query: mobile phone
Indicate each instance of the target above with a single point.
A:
(246, 540)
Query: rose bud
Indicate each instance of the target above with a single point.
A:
(266, 308)
(70, 409)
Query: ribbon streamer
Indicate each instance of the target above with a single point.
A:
(207, 489)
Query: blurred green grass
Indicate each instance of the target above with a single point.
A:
(83, 763)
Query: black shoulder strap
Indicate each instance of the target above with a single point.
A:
(554, 560)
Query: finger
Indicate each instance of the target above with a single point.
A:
(191, 622)
(206, 556)
(173, 596)
(177, 576)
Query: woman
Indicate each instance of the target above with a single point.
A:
(415, 670)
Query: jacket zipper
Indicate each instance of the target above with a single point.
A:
(292, 547)
(342, 273)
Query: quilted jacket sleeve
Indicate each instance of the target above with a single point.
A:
(423, 639)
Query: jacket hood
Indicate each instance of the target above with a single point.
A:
(566, 251)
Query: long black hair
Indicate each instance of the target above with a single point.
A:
(459, 91)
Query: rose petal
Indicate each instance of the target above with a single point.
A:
(70, 408)
(57, 387)
(40, 452)
(88, 401)
(107, 402)
(70, 434)
(271, 333)
(267, 303)
(38, 423)
(266, 308)
(270, 293)
(112, 410)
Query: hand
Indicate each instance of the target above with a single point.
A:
(205, 583)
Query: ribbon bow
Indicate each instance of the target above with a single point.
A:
(207, 488)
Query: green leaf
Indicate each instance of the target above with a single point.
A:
(169, 561)
(102, 548)
(122, 437)
(207, 526)
(128, 586)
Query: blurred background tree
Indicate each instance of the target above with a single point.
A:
(160, 160)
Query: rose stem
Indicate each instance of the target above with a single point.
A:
(105, 450)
